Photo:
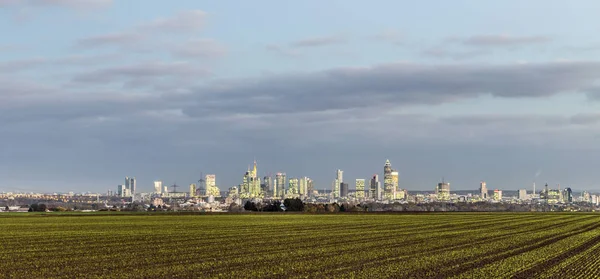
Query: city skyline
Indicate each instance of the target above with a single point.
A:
(503, 92)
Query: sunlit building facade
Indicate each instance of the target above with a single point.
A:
(360, 188)
(388, 183)
(443, 191)
(280, 181)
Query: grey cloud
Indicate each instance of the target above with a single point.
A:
(204, 48)
(390, 35)
(318, 41)
(184, 21)
(455, 55)
(79, 4)
(394, 85)
(284, 51)
(143, 71)
(504, 40)
(120, 39)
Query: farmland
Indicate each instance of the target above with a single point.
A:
(461, 245)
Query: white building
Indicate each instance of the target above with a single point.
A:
(158, 187)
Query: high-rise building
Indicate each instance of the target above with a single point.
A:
(280, 181)
(360, 188)
(267, 186)
(339, 179)
(388, 181)
(130, 184)
(395, 183)
(293, 187)
(165, 190)
(443, 191)
(567, 195)
(497, 195)
(303, 186)
(375, 187)
(483, 191)
(211, 185)
(344, 190)
(523, 194)
(158, 187)
(310, 187)
(251, 184)
(192, 190)
(121, 191)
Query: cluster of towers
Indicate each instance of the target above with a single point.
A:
(280, 187)
(390, 190)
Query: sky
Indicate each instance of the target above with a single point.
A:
(92, 91)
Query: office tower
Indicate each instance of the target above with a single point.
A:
(443, 191)
(293, 186)
(374, 187)
(523, 194)
(567, 195)
(339, 178)
(251, 184)
(192, 190)
(279, 189)
(165, 190)
(210, 181)
(130, 185)
(267, 186)
(360, 188)
(158, 187)
(497, 195)
(483, 191)
(395, 183)
(303, 186)
(310, 187)
(344, 190)
(121, 190)
(389, 184)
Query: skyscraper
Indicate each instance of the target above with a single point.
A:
(211, 185)
(279, 189)
(344, 190)
(251, 184)
(395, 183)
(483, 191)
(388, 181)
(130, 185)
(293, 187)
(443, 191)
(374, 187)
(121, 191)
(310, 187)
(303, 186)
(158, 187)
(360, 188)
(267, 188)
(339, 179)
(192, 190)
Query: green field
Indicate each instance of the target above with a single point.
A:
(467, 245)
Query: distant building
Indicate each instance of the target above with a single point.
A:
(293, 187)
(280, 181)
(360, 188)
(374, 187)
(390, 181)
(121, 191)
(483, 191)
(158, 187)
(211, 185)
(443, 191)
(130, 184)
(339, 179)
(568, 195)
(523, 194)
(310, 187)
(344, 190)
(192, 190)
(267, 186)
(497, 195)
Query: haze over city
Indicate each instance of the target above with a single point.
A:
(93, 91)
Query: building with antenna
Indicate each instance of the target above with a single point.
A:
(442, 191)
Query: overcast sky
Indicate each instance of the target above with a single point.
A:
(92, 91)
